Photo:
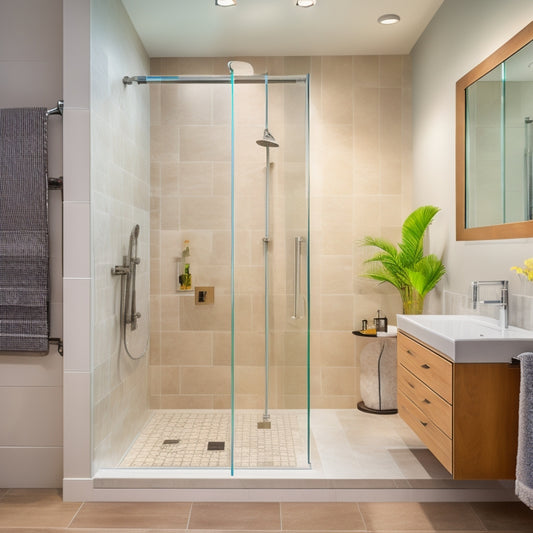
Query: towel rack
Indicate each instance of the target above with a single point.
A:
(55, 183)
(58, 110)
(59, 342)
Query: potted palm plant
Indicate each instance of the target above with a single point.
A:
(405, 266)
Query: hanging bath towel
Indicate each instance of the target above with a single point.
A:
(524, 459)
(24, 322)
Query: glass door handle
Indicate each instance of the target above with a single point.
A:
(297, 267)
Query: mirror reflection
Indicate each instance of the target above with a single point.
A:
(499, 118)
(495, 144)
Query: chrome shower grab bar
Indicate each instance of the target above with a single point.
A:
(297, 274)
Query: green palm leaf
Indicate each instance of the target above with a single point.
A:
(429, 271)
(384, 276)
(413, 230)
(405, 266)
(383, 244)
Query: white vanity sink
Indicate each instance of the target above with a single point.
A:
(467, 338)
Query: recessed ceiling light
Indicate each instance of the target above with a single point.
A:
(389, 19)
(225, 3)
(305, 3)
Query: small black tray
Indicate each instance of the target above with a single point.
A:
(360, 333)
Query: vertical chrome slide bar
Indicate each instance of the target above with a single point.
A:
(131, 290)
(297, 267)
(266, 241)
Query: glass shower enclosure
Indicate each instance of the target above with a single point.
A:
(228, 361)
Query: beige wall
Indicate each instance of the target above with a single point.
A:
(360, 184)
(455, 41)
(31, 386)
(120, 185)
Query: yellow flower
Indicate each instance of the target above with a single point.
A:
(527, 271)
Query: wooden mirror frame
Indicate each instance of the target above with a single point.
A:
(513, 230)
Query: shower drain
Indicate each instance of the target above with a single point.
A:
(215, 445)
(171, 441)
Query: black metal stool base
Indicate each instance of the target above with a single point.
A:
(362, 407)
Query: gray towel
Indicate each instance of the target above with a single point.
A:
(24, 319)
(524, 459)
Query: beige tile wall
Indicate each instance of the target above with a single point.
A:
(360, 184)
(120, 187)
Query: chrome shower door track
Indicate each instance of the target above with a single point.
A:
(256, 78)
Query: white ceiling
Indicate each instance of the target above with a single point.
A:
(198, 28)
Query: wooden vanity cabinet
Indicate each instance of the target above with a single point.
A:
(465, 413)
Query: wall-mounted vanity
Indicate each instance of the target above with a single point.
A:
(494, 144)
(459, 393)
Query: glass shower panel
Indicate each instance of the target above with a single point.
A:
(271, 396)
(191, 334)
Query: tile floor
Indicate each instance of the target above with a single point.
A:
(180, 438)
(42, 510)
(345, 444)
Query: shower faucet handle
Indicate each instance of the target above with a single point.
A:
(120, 270)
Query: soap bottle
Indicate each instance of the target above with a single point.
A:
(185, 275)
(380, 322)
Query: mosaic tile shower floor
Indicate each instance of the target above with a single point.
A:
(188, 433)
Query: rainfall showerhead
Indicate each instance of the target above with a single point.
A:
(241, 68)
(268, 140)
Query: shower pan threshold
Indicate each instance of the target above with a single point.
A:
(284, 485)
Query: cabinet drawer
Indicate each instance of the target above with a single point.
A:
(437, 442)
(432, 369)
(431, 404)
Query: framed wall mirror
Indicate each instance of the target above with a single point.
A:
(494, 144)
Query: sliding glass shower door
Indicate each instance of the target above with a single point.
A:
(271, 345)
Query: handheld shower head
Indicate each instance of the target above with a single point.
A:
(268, 140)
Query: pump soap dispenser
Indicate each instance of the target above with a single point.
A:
(380, 322)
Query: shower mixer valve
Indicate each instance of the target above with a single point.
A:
(120, 270)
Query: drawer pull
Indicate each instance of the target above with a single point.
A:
(410, 385)
(423, 423)
(425, 366)
(410, 352)
(425, 400)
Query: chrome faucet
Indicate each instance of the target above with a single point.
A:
(503, 302)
